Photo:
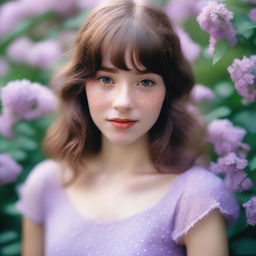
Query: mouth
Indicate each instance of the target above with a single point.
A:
(119, 120)
(122, 123)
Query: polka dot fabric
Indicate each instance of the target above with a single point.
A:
(153, 232)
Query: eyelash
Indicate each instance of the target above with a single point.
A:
(101, 77)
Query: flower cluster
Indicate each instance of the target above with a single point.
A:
(215, 18)
(22, 99)
(41, 54)
(242, 73)
(189, 48)
(250, 210)
(201, 93)
(179, 10)
(252, 15)
(9, 169)
(14, 12)
(227, 141)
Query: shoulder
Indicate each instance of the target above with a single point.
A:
(200, 179)
(203, 192)
(44, 169)
(42, 174)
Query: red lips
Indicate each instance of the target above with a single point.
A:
(122, 120)
(119, 123)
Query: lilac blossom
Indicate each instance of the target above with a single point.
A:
(4, 67)
(242, 73)
(238, 181)
(226, 138)
(25, 100)
(66, 7)
(44, 53)
(88, 3)
(252, 15)
(40, 55)
(190, 49)
(215, 18)
(11, 13)
(6, 123)
(180, 10)
(19, 49)
(250, 211)
(228, 164)
(201, 93)
(9, 169)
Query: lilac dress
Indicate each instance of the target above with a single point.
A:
(152, 232)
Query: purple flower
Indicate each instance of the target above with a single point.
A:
(250, 211)
(44, 53)
(242, 73)
(19, 49)
(238, 181)
(180, 10)
(11, 13)
(228, 164)
(9, 169)
(252, 1)
(202, 93)
(88, 3)
(226, 138)
(190, 49)
(6, 123)
(4, 67)
(252, 15)
(25, 100)
(40, 55)
(215, 18)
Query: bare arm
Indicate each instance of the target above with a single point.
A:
(32, 238)
(208, 236)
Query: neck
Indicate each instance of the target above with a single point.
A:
(116, 159)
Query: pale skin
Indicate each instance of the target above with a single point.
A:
(133, 182)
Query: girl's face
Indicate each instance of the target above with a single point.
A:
(133, 98)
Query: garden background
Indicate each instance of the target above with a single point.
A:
(218, 38)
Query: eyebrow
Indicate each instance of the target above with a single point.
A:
(113, 70)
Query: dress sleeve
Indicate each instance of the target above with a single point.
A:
(203, 192)
(31, 192)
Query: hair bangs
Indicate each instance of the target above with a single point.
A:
(144, 48)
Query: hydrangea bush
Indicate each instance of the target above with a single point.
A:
(217, 37)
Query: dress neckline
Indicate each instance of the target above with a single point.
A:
(77, 214)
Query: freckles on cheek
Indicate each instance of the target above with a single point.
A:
(152, 103)
(96, 100)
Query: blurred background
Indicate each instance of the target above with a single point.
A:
(36, 39)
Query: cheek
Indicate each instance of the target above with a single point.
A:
(96, 100)
(154, 102)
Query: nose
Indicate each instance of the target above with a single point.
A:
(122, 100)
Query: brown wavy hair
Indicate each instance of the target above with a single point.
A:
(177, 137)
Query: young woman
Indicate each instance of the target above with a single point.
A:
(124, 176)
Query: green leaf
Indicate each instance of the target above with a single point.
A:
(247, 119)
(218, 113)
(220, 50)
(12, 249)
(224, 89)
(7, 236)
(76, 21)
(252, 163)
(243, 24)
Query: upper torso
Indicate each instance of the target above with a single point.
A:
(146, 217)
